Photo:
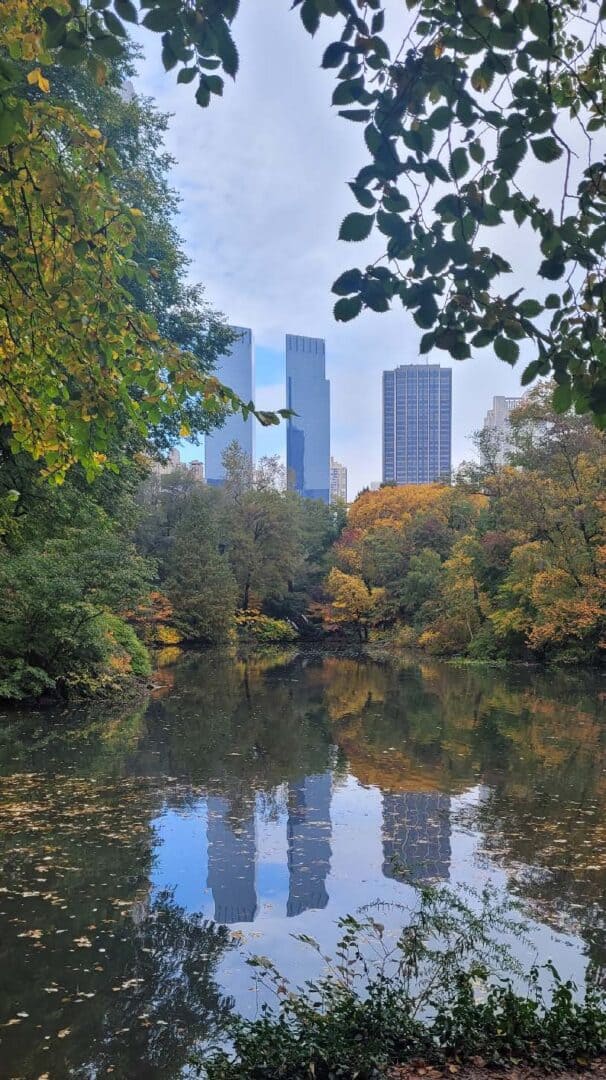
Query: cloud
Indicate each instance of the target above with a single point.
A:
(263, 177)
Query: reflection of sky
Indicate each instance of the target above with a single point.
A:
(354, 878)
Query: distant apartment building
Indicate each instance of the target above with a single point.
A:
(236, 370)
(417, 424)
(497, 422)
(308, 432)
(173, 462)
(338, 481)
(196, 468)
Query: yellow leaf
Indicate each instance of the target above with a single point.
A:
(183, 430)
(36, 78)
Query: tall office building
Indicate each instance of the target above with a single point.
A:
(338, 481)
(497, 422)
(236, 370)
(417, 423)
(308, 433)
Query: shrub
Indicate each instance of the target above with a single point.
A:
(443, 991)
(262, 630)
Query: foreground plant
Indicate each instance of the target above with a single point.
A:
(444, 989)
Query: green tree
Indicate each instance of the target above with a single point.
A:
(200, 583)
(259, 530)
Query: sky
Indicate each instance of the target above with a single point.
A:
(263, 177)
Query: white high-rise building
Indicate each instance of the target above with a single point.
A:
(235, 369)
(338, 481)
(497, 421)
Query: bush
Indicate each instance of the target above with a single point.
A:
(262, 630)
(123, 642)
(444, 991)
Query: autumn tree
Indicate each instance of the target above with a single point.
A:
(351, 604)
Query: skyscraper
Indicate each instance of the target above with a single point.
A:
(417, 422)
(236, 370)
(338, 481)
(497, 422)
(308, 433)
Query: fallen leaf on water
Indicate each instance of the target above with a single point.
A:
(63, 1033)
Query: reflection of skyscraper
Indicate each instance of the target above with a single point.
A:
(308, 833)
(416, 835)
(231, 863)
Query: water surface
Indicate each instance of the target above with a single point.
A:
(145, 853)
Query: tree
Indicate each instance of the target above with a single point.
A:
(351, 603)
(60, 604)
(200, 583)
(78, 359)
(258, 530)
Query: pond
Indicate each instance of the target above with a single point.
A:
(147, 852)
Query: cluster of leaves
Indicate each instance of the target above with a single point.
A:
(418, 1000)
(475, 98)
(249, 544)
(510, 562)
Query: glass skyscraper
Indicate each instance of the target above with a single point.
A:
(417, 424)
(308, 433)
(236, 370)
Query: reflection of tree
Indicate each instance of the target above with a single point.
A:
(128, 979)
(170, 1001)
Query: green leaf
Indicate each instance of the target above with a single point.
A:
(530, 308)
(395, 202)
(8, 123)
(440, 118)
(349, 281)
(459, 163)
(546, 149)
(357, 115)
(215, 84)
(477, 152)
(364, 197)
(562, 398)
(531, 371)
(347, 309)
(187, 75)
(310, 16)
(126, 10)
(506, 350)
(356, 226)
(552, 300)
(335, 54)
(159, 19)
(552, 269)
(538, 20)
(104, 46)
(113, 24)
